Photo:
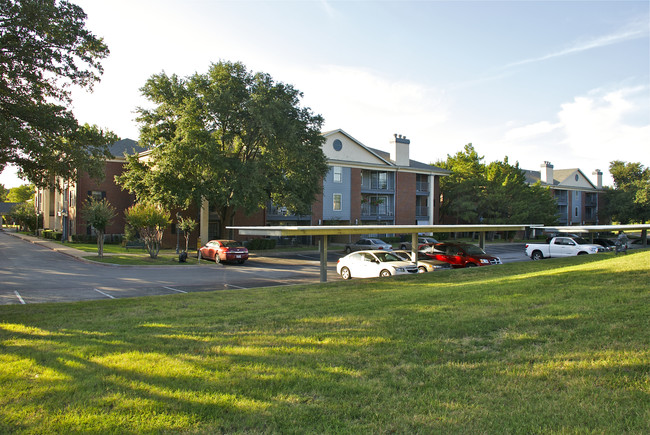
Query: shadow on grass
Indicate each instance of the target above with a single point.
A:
(546, 349)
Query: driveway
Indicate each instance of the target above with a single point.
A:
(30, 273)
(33, 273)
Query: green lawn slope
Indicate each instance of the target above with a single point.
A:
(532, 347)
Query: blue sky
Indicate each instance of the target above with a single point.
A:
(560, 81)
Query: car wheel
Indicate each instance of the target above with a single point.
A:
(345, 273)
(470, 265)
(402, 247)
(384, 273)
(348, 249)
(537, 256)
(422, 269)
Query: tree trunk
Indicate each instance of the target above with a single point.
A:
(100, 244)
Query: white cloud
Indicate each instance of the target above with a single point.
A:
(369, 106)
(590, 132)
(634, 30)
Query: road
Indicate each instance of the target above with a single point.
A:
(30, 273)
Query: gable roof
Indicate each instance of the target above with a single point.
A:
(125, 147)
(5, 207)
(384, 156)
(560, 177)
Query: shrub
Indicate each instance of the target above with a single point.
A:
(260, 244)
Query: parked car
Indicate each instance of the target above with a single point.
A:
(368, 244)
(421, 241)
(367, 264)
(608, 244)
(424, 263)
(461, 255)
(224, 251)
(561, 247)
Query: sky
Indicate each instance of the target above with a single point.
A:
(561, 81)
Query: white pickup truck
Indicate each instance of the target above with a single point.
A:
(561, 247)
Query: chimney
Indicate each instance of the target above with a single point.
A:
(599, 178)
(400, 150)
(546, 173)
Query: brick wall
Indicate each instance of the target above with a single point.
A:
(405, 193)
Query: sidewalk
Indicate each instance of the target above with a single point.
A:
(49, 244)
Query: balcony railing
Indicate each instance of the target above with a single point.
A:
(422, 211)
(422, 186)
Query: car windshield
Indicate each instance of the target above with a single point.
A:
(386, 257)
(376, 242)
(473, 250)
(231, 244)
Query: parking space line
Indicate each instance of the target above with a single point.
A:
(174, 289)
(19, 297)
(105, 294)
(234, 286)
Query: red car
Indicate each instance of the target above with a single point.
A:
(224, 250)
(461, 254)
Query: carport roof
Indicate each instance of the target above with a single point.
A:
(325, 230)
(597, 228)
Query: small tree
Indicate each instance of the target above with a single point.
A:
(99, 215)
(187, 225)
(150, 220)
(24, 215)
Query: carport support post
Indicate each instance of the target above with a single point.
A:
(481, 239)
(322, 248)
(644, 238)
(414, 248)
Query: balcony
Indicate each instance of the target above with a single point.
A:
(422, 211)
(276, 213)
(422, 186)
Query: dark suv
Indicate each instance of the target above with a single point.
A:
(461, 254)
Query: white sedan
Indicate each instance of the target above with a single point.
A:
(367, 264)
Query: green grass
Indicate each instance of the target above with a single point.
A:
(557, 346)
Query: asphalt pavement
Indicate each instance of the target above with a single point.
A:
(34, 270)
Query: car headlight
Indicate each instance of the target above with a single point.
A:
(485, 261)
(400, 269)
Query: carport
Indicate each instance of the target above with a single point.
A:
(323, 231)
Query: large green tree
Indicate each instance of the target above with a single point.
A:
(45, 50)
(629, 200)
(231, 137)
(496, 193)
(22, 193)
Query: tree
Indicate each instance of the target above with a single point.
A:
(24, 215)
(629, 200)
(3, 193)
(230, 137)
(462, 189)
(496, 193)
(22, 193)
(99, 214)
(150, 221)
(187, 225)
(45, 49)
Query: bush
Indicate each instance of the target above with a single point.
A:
(260, 244)
(52, 235)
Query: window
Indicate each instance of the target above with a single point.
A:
(576, 211)
(338, 174)
(337, 202)
(97, 195)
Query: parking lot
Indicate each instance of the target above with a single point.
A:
(33, 273)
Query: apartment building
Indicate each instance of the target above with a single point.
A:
(576, 195)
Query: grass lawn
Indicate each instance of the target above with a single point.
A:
(532, 347)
